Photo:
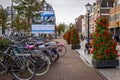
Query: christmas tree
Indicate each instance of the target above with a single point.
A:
(104, 47)
(74, 37)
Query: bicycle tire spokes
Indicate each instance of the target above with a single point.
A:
(26, 72)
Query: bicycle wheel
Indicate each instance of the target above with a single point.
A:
(42, 64)
(56, 55)
(62, 50)
(3, 68)
(52, 56)
(22, 70)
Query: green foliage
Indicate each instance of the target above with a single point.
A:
(71, 26)
(71, 35)
(61, 28)
(74, 37)
(20, 24)
(3, 19)
(66, 36)
(27, 8)
(4, 43)
(24, 25)
(104, 47)
(17, 23)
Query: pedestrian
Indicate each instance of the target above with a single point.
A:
(81, 36)
(86, 48)
(117, 38)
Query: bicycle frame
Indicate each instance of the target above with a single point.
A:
(11, 58)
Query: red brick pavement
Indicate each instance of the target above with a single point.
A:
(69, 67)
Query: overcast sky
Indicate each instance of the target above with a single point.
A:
(66, 10)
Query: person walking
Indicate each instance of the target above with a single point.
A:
(117, 38)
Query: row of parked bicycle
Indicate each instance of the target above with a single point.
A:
(29, 57)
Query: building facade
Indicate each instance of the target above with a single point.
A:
(99, 8)
(114, 20)
(79, 23)
(103, 7)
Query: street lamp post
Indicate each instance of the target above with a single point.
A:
(88, 27)
(88, 8)
(76, 21)
(11, 14)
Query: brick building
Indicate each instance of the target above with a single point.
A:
(99, 8)
(79, 23)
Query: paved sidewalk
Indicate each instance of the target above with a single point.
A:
(109, 73)
(69, 67)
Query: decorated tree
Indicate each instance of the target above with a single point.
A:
(104, 47)
(66, 36)
(74, 37)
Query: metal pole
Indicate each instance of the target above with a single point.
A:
(12, 15)
(88, 32)
(115, 18)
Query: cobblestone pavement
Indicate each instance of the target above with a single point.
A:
(69, 67)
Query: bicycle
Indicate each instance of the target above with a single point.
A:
(20, 65)
(49, 51)
(61, 48)
(41, 61)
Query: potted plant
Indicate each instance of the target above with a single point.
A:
(104, 47)
(74, 39)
